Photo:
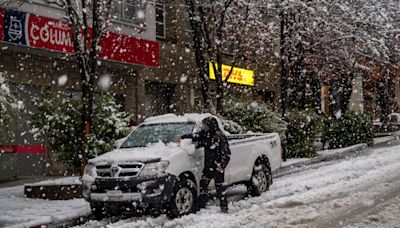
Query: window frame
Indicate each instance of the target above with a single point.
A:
(120, 19)
(160, 4)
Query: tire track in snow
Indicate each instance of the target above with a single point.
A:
(359, 212)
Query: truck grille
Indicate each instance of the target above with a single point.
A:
(119, 170)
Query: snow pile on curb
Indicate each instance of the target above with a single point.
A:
(342, 150)
(18, 211)
(59, 181)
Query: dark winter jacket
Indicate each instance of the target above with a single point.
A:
(215, 143)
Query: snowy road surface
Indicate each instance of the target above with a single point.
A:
(355, 192)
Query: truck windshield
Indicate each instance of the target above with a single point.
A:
(154, 133)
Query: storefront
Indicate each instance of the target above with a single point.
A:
(37, 50)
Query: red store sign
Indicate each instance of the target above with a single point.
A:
(41, 32)
(22, 149)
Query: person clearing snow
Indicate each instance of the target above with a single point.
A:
(217, 155)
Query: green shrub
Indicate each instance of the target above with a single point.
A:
(10, 111)
(350, 129)
(61, 123)
(303, 128)
(256, 118)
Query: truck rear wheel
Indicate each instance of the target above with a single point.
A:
(183, 200)
(260, 180)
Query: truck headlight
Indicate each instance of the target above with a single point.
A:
(152, 169)
(90, 170)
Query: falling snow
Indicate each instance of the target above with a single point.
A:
(319, 77)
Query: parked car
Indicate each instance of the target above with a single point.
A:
(394, 118)
(149, 169)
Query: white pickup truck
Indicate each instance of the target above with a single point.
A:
(150, 169)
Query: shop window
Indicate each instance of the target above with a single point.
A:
(189, 33)
(133, 11)
(160, 18)
(120, 100)
(25, 93)
(77, 95)
(156, 104)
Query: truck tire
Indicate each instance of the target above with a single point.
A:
(183, 200)
(98, 210)
(260, 180)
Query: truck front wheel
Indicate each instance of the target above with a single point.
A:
(183, 200)
(98, 210)
(259, 181)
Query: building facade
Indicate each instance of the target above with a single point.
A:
(36, 50)
(147, 52)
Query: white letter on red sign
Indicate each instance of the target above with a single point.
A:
(32, 31)
(44, 34)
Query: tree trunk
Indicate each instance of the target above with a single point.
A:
(220, 96)
(384, 98)
(86, 117)
(201, 62)
(220, 84)
(346, 91)
(316, 94)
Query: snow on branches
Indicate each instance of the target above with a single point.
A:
(61, 123)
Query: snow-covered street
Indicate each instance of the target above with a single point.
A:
(355, 192)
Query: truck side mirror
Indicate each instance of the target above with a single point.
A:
(119, 142)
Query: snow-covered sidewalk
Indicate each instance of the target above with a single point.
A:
(18, 211)
(341, 152)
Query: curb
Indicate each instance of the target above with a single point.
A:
(341, 153)
(386, 139)
(68, 222)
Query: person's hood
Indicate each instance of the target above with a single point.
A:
(212, 123)
(152, 153)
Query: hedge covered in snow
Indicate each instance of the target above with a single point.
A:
(303, 128)
(60, 121)
(255, 118)
(349, 129)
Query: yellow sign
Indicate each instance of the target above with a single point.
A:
(238, 75)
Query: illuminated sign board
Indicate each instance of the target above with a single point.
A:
(238, 75)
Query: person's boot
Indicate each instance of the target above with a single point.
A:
(224, 209)
(223, 201)
(202, 200)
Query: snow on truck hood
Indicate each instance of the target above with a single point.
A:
(154, 152)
